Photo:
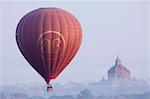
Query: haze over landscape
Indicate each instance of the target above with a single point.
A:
(118, 85)
(109, 28)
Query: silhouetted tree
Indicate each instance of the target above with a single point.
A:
(85, 94)
(61, 97)
(19, 96)
(2, 95)
(37, 97)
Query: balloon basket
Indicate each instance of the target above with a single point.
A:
(49, 88)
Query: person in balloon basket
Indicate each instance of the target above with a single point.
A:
(49, 88)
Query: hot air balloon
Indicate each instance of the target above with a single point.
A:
(49, 38)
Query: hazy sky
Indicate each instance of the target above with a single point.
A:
(108, 27)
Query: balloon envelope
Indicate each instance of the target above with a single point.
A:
(48, 38)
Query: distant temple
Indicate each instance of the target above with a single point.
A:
(118, 72)
(119, 77)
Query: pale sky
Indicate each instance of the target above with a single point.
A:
(108, 27)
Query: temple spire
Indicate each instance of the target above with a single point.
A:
(118, 60)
